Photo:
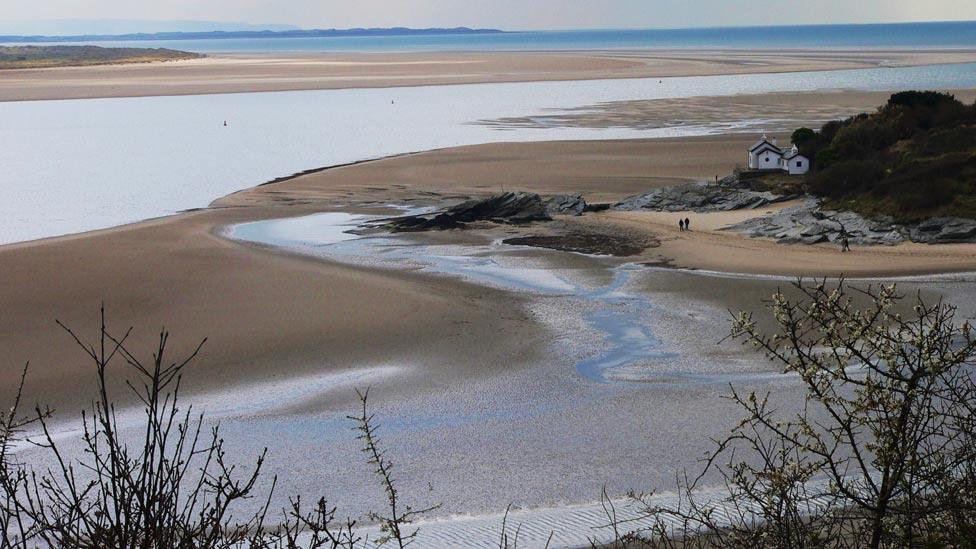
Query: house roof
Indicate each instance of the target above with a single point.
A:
(790, 154)
(763, 141)
(771, 148)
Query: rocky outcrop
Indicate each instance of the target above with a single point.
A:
(510, 207)
(700, 197)
(808, 224)
(566, 204)
(943, 230)
(592, 243)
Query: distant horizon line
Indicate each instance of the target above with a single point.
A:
(784, 25)
(402, 31)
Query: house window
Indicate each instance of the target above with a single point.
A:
(799, 163)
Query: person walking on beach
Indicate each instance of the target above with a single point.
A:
(845, 245)
(681, 224)
(687, 224)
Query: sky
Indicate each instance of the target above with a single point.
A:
(503, 14)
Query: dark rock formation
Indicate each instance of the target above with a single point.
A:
(700, 197)
(566, 204)
(511, 207)
(587, 243)
(808, 224)
(943, 230)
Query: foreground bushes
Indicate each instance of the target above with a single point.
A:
(175, 487)
(881, 454)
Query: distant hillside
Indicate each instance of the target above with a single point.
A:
(914, 158)
(32, 57)
(63, 27)
(312, 33)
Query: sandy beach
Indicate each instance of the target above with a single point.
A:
(178, 271)
(238, 73)
(256, 308)
(606, 171)
(707, 247)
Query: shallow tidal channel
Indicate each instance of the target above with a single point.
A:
(619, 318)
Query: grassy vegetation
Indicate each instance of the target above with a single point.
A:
(773, 181)
(912, 159)
(33, 57)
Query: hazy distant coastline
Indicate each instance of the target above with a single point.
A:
(914, 36)
(211, 35)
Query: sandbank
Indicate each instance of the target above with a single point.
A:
(240, 73)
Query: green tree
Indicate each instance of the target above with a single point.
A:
(802, 136)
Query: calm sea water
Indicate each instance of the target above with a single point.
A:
(902, 35)
(77, 165)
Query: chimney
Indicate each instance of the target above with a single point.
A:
(774, 141)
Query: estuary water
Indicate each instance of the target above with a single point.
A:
(79, 165)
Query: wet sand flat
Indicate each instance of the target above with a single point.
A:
(756, 112)
(237, 73)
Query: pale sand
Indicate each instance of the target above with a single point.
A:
(309, 71)
(266, 315)
(601, 170)
(707, 247)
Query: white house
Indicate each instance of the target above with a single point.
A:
(795, 163)
(766, 155)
